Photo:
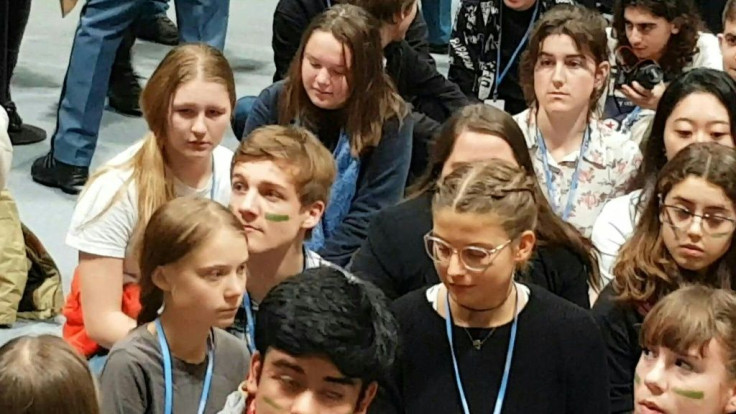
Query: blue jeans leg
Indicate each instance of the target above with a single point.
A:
(242, 110)
(203, 21)
(100, 30)
(438, 14)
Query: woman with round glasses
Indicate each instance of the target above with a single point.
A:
(698, 106)
(684, 236)
(480, 341)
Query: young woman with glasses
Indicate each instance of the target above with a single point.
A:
(479, 340)
(698, 106)
(684, 236)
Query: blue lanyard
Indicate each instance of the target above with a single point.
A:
(575, 176)
(506, 369)
(168, 377)
(214, 180)
(630, 120)
(502, 73)
(250, 324)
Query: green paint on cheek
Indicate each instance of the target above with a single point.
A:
(637, 380)
(272, 403)
(277, 217)
(693, 395)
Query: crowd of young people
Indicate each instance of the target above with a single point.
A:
(538, 250)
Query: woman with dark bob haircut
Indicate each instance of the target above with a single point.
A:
(698, 106)
(393, 255)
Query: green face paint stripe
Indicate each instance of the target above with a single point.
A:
(693, 395)
(637, 380)
(272, 403)
(277, 217)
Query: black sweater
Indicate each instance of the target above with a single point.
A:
(394, 259)
(620, 325)
(558, 364)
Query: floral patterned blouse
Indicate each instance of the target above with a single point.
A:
(609, 164)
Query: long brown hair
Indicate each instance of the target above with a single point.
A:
(485, 119)
(373, 98)
(40, 375)
(154, 185)
(175, 230)
(587, 29)
(691, 317)
(681, 47)
(645, 270)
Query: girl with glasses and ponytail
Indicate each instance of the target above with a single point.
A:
(684, 236)
(178, 359)
(480, 340)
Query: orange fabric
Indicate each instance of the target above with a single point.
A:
(74, 332)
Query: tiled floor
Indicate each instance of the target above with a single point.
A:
(36, 87)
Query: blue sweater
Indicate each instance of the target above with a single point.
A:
(380, 183)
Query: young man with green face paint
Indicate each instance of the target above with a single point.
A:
(688, 361)
(281, 179)
(313, 358)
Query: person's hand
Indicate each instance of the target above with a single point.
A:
(642, 97)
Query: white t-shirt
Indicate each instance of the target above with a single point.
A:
(612, 229)
(110, 234)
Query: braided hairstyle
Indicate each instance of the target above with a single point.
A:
(494, 187)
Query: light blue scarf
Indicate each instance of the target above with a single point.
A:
(341, 195)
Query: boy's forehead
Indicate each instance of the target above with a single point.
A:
(279, 172)
(317, 366)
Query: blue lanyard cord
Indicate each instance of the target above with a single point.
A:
(214, 181)
(507, 367)
(250, 324)
(551, 190)
(501, 74)
(168, 376)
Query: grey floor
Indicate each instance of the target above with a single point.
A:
(36, 87)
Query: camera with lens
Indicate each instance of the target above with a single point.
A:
(647, 73)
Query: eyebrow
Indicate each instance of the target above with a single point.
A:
(262, 183)
(683, 119)
(627, 21)
(280, 363)
(684, 200)
(312, 57)
(575, 56)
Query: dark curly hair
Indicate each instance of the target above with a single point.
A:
(326, 312)
(681, 47)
